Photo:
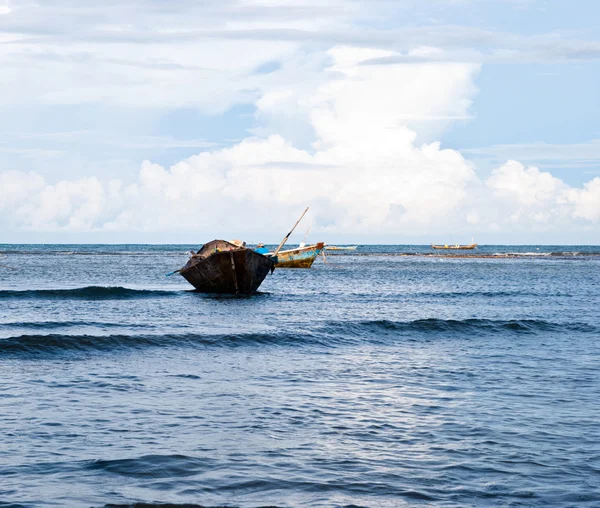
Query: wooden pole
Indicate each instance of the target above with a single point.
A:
(288, 235)
(307, 231)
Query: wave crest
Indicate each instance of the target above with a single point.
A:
(333, 334)
(87, 293)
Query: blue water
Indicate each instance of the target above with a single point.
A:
(387, 377)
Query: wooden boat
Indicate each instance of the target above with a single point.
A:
(224, 267)
(229, 267)
(334, 247)
(301, 257)
(455, 247)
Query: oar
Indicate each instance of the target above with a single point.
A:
(288, 235)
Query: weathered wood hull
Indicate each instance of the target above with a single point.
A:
(231, 271)
(302, 257)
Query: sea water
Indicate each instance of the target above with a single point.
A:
(389, 376)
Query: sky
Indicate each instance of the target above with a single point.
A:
(396, 121)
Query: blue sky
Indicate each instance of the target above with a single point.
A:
(91, 91)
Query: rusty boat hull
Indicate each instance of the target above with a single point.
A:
(224, 268)
(301, 257)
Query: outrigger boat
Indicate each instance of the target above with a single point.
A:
(301, 257)
(334, 247)
(226, 267)
(455, 247)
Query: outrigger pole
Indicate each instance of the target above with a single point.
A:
(288, 235)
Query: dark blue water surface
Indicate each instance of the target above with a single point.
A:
(387, 377)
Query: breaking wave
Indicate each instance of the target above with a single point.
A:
(476, 255)
(333, 334)
(87, 293)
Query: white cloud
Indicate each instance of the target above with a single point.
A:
(16, 186)
(203, 54)
(364, 174)
(576, 155)
(27, 200)
(586, 200)
(527, 186)
(535, 196)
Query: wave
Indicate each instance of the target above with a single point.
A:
(487, 294)
(471, 326)
(154, 466)
(524, 254)
(168, 505)
(123, 293)
(368, 251)
(332, 334)
(87, 293)
(475, 255)
(92, 253)
(49, 325)
(559, 254)
(38, 345)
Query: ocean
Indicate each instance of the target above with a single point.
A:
(387, 377)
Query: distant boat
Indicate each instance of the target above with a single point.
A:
(334, 247)
(224, 267)
(455, 247)
(301, 257)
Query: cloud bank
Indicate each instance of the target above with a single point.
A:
(363, 172)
